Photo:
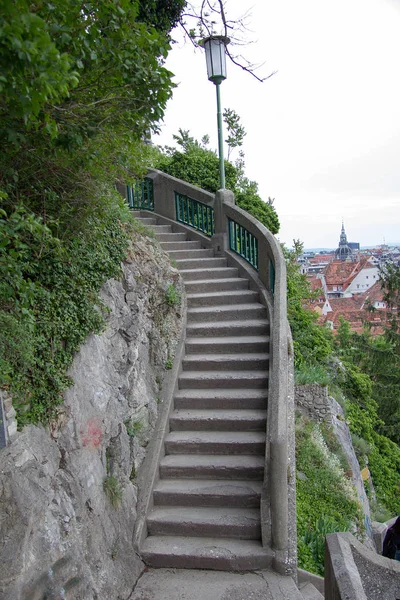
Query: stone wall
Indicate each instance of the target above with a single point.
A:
(313, 401)
(60, 534)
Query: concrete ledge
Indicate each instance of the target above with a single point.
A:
(307, 577)
(353, 572)
(148, 474)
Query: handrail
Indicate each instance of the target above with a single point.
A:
(270, 273)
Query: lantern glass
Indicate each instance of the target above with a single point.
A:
(215, 57)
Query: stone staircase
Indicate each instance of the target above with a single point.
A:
(207, 502)
(206, 512)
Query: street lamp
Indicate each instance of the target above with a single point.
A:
(216, 70)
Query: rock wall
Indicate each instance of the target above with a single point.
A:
(313, 401)
(67, 492)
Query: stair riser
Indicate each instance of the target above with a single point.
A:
(233, 314)
(148, 221)
(228, 330)
(178, 424)
(224, 403)
(214, 447)
(186, 245)
(223, 298)
(170, 237)
(206, 347)
(161, 228)
(189, 254)
(248, 364)
(202, 263)
(215, 563)
(217, 500)
(201, 287)
(228, 383)
(211, 471)
(251, 531)
(213, 272)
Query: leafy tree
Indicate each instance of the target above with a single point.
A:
(80, 84)
(200, 166)
(236, 131)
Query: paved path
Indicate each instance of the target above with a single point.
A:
(188, 584)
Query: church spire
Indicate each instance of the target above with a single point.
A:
(344, 252)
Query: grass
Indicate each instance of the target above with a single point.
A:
(113, 490)
(309, 374)
(172, 297)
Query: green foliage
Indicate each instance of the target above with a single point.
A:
(113, 490)
(168, 364)
(172, 296)
(49, 297)
(312, 343)
(80, 85)
(133, 428)
(325, 501)
(236, 131)
(314, 538)
(307, 374)
(199, 166)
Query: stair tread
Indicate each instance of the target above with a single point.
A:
(217, 375)
(205, 281)
(216, 436)
(223, 293)
(215, 460)
(221, 357)
(225, 307)
(238, 323)
(200, 514)
(222, 393)
(213, 548)
(232, 339)
(215, 415)
(209, 486)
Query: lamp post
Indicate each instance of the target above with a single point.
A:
(214, 46)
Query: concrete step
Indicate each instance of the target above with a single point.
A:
(205, 553)
(222, 298)
(309, 592)
(238, 467)
(194, 521)
(185, 245)
(149, 221)
(189, 254)
(226, 312)
(161, 228)
(218, 420)
(222, 379)
(170, 237)
(203, 264)
(206, 492)
(200, 584)
(228, 344)
(221, 272)
(215, 442)
(226, 362)
(228, 328)
(216, 285)
(229, 399)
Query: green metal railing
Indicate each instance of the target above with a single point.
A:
(141, 195)
(195, 214)
(271, 276)
(243, 243)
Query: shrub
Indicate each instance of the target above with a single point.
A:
(113, 490)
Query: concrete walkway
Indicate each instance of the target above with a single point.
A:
(188, 584)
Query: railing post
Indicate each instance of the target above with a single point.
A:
(220, 239)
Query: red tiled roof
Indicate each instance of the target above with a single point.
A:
(340, 273)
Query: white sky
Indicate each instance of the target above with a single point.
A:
(323, 134)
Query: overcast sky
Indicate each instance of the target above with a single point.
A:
(323, 134)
